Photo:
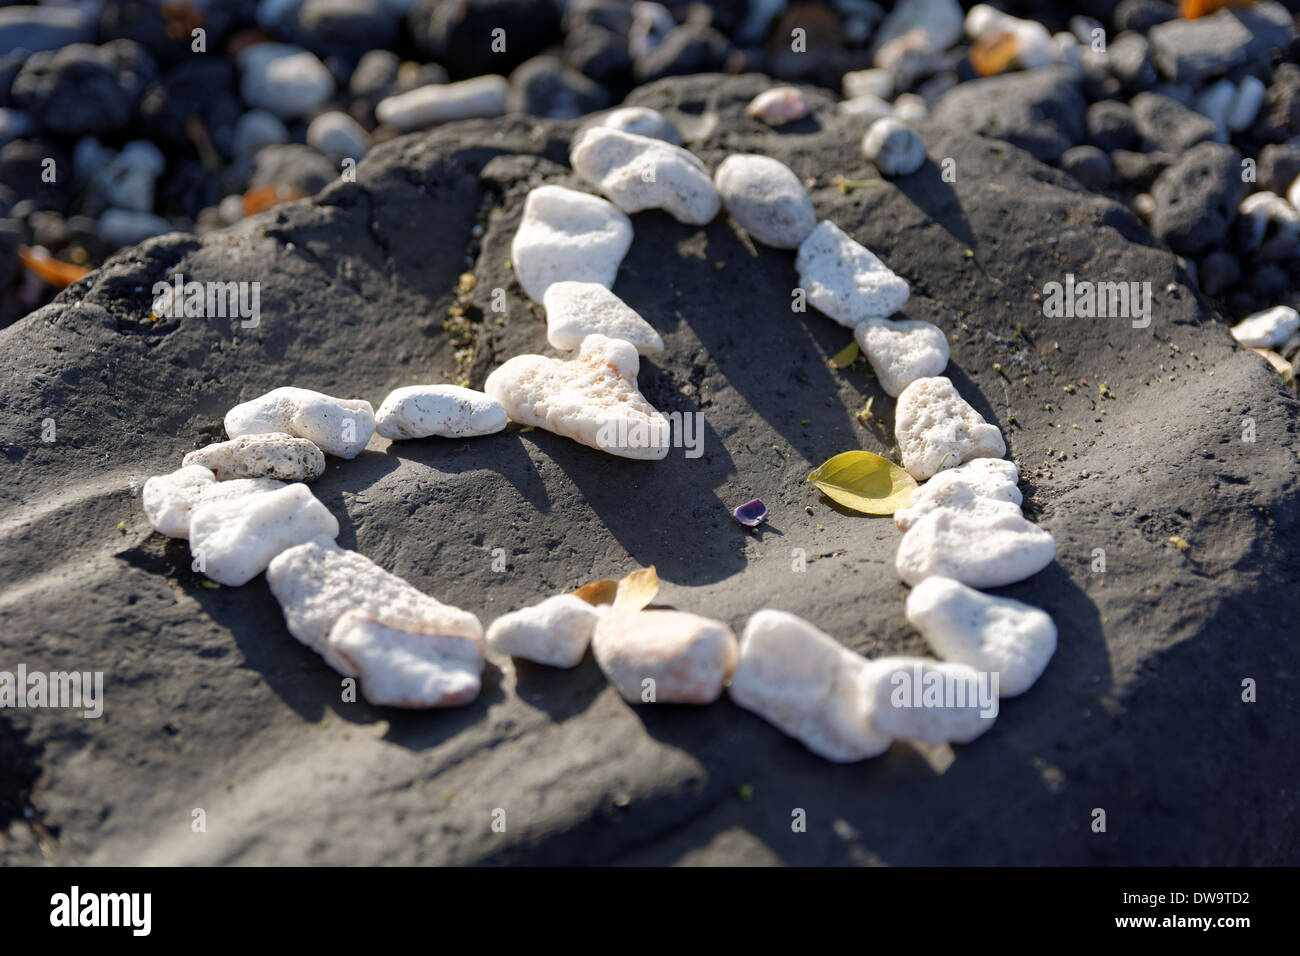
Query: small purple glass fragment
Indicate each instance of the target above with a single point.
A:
(751, 514)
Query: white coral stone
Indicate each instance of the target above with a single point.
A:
(400, 666)
(591, 398)
(936, 429)
(169, 500)
(902, 351)
(989, 480)
(807, 684)
(447, 411)
(934, 702)
(974, 547)
(555, 632)
(236, 539)
(845, 280)
(337, 426)
(638, 172)
(665, 657)
(575, 310)
(994, 634)
(767, 199)
(1267, 329)
(264, 455)
(425, 106)
(566, 234)
(318, 582)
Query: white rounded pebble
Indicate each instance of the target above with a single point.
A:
(983, 19)
(255, 129)
(555, 632)
(637, 172)
(234, 540)
(912, 698)
(910, 108)
(894, 147)
(1245, 105)
(876, 82)
(767, 199)
(337, 134)
(337, 426)
(643, 121)
(425, 106)
(867, 107)
(447, 411)
(286, 80)
(575, 310)
(939, 20)
(269, 455)
(592, 398)
(664, 657)
(974, 547)
(1266, 214)
(909, 58)
(170, 500)
(902, 351)
(779, 105)
(566, 234)
(936, 429)
(991, 634)
(318, 582)
(398, 667)
(1267, 329)
(807, 684)
(844, 279)
(982, 479)
(1034, 45)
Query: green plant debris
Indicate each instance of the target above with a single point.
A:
(845, 356)
(846, 186)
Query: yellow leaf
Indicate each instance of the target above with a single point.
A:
(598, 592)
(865, 482)
(845, 356)
(637, 589)
(630, 594)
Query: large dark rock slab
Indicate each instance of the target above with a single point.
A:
(211, 704)
(1041, 111)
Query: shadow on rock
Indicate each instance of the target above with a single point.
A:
(929, 192)
(503, 453)
(559, 692)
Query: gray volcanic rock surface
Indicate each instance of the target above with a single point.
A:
(209, 703)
